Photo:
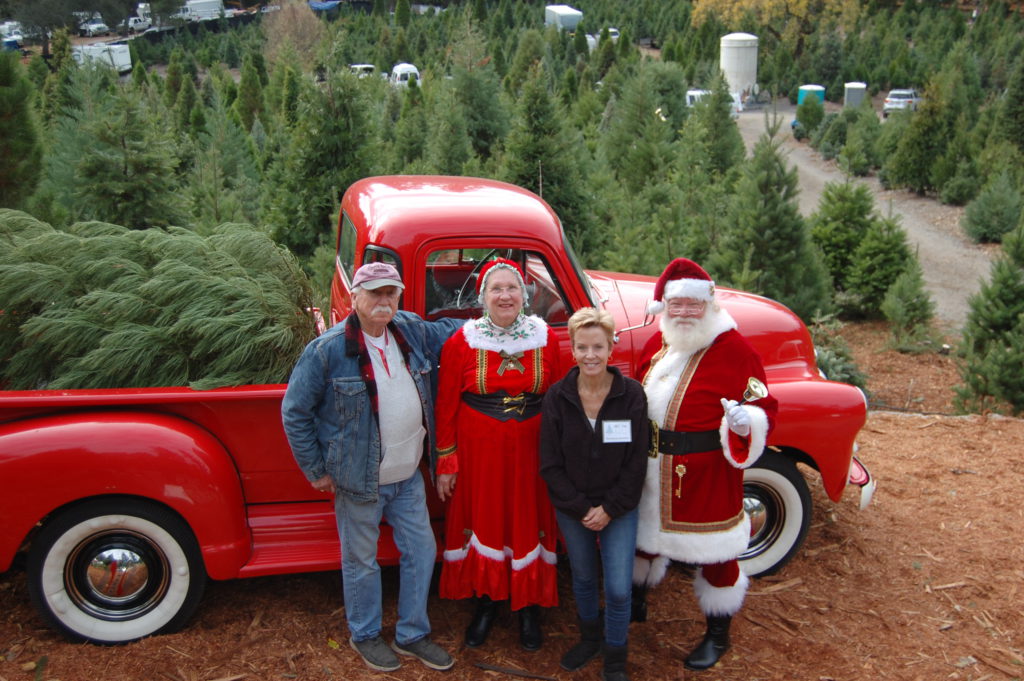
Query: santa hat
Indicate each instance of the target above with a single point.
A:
(498, 264)
(683, 278)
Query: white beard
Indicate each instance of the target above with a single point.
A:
(690, 335)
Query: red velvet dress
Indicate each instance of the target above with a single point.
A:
(500, 528)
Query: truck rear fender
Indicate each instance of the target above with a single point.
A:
(50, 462)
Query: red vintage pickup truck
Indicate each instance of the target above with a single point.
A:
(126, 501)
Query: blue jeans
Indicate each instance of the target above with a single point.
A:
(404, 505)
(617, 547)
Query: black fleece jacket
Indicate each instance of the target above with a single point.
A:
(580, 469)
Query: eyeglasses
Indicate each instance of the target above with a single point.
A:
(680, 306)
(503, 290)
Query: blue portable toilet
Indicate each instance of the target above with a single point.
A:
(810, 90)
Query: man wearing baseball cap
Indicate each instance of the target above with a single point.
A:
(359, 415)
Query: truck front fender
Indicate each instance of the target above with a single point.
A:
(49, 462)
(820, 418)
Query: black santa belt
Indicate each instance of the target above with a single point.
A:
(502, 406)
(677, 443)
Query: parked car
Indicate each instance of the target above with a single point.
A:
(134, 25)
(93, 28)
(362, 70)
(898, 100)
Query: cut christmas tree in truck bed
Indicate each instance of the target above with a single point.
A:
(128, 500)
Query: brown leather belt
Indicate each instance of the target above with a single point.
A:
(502, 406)
(678, 443)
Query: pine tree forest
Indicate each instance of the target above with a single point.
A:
(258, 127)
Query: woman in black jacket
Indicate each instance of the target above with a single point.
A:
(593, 457)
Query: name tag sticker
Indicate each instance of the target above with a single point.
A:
(617, 431)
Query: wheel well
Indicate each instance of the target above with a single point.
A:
(71, 505)
(797, 455)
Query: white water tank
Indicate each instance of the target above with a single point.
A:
(738, 61)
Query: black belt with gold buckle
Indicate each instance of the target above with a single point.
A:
(678, 443)
(502, 406)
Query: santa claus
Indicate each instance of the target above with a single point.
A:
(695, 373)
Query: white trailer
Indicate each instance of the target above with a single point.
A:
(202, 10)
(115, 55)
(563, 17)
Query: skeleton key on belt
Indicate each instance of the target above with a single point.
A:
(680, 472)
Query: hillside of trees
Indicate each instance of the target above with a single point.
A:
(266, 125)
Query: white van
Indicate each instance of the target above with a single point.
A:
(402, 73)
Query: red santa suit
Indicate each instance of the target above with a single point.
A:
(692, 505)
(500, 528)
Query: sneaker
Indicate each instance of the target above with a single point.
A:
(427, 652)
(376, 654)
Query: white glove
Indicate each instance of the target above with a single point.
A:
(736, 417)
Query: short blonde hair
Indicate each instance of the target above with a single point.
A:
(588, 316)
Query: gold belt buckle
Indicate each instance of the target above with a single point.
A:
(655, 439)
(516, 404)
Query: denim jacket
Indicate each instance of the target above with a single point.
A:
(327, 410)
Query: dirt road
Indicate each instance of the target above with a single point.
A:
(954, 268)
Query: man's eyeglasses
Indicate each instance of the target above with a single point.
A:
(680, 306)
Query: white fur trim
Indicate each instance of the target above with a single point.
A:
(534, 335)
(720, 601)
(455, 555)
(758, 437)
(685, 547)
(649, 572)
(701, 289)
(655, 307)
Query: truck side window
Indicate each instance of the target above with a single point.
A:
(347, 247)
(547, 300)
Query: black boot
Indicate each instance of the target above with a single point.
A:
(480, 625)
(587, 648)
(714, 645)
(614, 664)
(638, 604)
(529, 627)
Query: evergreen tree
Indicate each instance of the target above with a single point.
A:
(333, 145)
(411, 129)
(448, 145)
(101, 306)
(1011, 114)
(909, 310)
(725, 145)
(769, 242)
(403, 13)
(637, 143)
(249, 102)
(127, 175)
(187, 100)
(20, 148)
(995, 212)
(880, 258)
(809, 114)
(540, 155)
(224, 182)
(478, 93)
(991, 346)
(844, 216)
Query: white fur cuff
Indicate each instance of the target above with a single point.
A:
(648, 572)
(720, 601)
(757, 439)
